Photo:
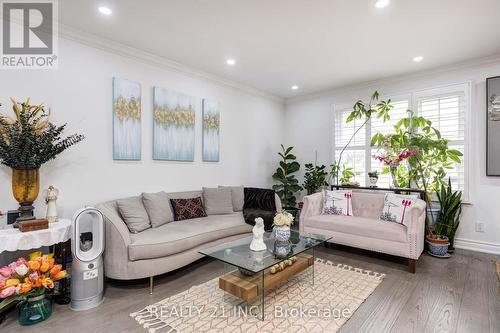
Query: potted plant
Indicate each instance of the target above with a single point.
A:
(314, 178)
(342, 176)
(29, 281)
(448, 218)
(425, 168)
(27, 141)
(373, 178)
(287, 185)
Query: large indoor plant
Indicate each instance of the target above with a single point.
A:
(288, 184)
(425, 168)
(314, 178)
(29, 281)
(362, 112)
(26, 142)
(449, 212)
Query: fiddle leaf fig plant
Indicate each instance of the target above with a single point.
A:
(288, 184)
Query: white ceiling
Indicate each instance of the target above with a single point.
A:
(315, 44)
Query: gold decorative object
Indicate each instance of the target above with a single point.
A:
(25, 188)
(282, 265)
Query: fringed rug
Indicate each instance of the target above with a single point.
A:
(293, 306)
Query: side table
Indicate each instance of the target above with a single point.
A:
(57, 237)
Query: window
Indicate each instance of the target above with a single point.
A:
(447, 108)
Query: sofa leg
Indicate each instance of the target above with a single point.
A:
(151, 285)
(411, 265)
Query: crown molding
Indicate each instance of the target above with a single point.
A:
(111, 46)
(468, 64)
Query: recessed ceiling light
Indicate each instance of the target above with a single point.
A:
(230, 62)
(105, 10)
(418, 59)
(382, 3)
(295, 87)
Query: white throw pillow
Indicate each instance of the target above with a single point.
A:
(337, 202)
(396, 207)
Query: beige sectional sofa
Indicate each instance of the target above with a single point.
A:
(365, 230)
(161, 249)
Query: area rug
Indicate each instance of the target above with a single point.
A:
(293, 306)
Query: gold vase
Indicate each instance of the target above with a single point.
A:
(25, 188)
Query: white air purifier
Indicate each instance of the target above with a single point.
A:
(87, 245)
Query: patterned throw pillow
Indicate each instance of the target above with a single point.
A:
(396, 207)
(337, 202)
(185, 209)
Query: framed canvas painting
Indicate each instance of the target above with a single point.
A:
(211, 131)
(493, 126)
(126, 120)
(173, 125)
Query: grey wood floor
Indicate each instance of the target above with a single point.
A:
(461, 294)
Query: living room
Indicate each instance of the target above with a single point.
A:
(229, 166)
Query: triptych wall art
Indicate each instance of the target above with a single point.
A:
(211, 128)
(126, 120)
(174, 124)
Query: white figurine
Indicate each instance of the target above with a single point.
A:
(50, 199)
(257, 243)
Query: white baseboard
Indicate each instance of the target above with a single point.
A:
(473, 245)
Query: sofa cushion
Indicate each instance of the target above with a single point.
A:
(217, 201)
(396, 207)
(179, 236)
(360, 226)
(337, 202)
(134, 214)
(158, 207)
(190, 208)
(237, 197)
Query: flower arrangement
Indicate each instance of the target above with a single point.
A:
(393, 156)
(23, 278)
(283, 219)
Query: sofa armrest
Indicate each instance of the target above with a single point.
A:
(416, 230)
(117, 242)
(313, 204)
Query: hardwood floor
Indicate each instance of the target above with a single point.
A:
(460, 294)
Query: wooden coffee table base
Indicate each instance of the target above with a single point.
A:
(247, 287)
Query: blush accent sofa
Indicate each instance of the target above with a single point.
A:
(159, 250)
(365, 230)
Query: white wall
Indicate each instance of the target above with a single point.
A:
(309, 127)
(80, 93)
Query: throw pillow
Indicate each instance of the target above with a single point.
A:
(158, 207)
(337, 202)
(237, 196)
(185, 209)
(217, 201)
(396, 207)
(134, 214)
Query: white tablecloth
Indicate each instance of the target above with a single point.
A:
(12, 239)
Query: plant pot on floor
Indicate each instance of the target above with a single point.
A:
(438, 246)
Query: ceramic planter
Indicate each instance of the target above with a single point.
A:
(282, 234)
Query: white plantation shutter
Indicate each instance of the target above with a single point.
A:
(354, 155)
(399, 112)
(447, 107)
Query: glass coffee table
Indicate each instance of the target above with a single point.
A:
(248, 274)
